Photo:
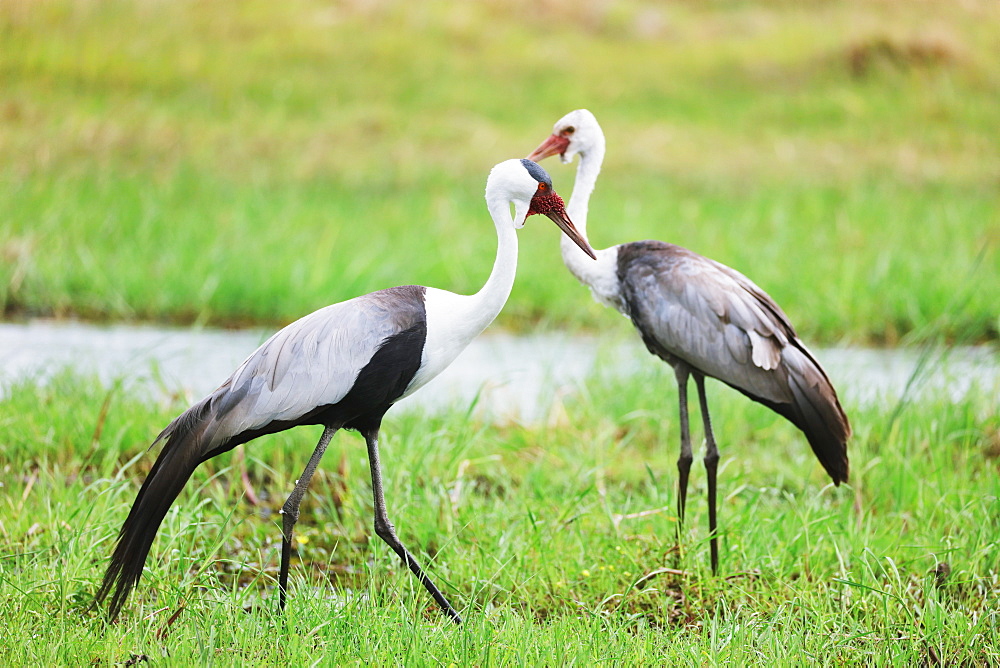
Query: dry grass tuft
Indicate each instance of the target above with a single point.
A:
(884, 52)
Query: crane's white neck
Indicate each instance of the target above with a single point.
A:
(583, 186)
(487, 303)
(454, 320)
(601, 276)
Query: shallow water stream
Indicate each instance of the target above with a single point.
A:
(515, 377)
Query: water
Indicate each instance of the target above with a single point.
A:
(514, 377)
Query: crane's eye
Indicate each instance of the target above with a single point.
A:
(568, 131)
(542, 186)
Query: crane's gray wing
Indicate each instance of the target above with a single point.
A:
(705, 314)
(713, 318)
(311, 363)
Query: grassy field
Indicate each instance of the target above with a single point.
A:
(551, 540)
(205, 162)
(245, 163)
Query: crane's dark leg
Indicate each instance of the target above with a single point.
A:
(711, 468)
(290, 511)
(385, 530)
(684, 461)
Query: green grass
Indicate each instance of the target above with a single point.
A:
(212, 163)
(235, 164)
(549, 539)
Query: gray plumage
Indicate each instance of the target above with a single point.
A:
(693, 310)
(311, 363)
(307, 373)
(705, 320)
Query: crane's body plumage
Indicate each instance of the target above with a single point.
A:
(341, 367)
(703, 318)
(303, 372)
(694, 311)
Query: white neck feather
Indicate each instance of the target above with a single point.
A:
(579, 202)
(601, 276)
(583, 186)
(454, 320)
(487, 303)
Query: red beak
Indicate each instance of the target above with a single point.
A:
(554, 145)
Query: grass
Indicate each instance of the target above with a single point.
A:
(552, 540)
(200, 162)
(211, 163)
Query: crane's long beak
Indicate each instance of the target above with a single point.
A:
(555, 144)
(561, 218)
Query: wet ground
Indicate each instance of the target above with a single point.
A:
(515, 377)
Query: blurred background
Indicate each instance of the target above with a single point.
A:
(234, 164)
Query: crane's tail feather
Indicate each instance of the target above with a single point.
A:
(814, 409)
(822, 420)
(181, 454)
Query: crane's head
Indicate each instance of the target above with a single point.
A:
(576, 132)
(525, 185)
